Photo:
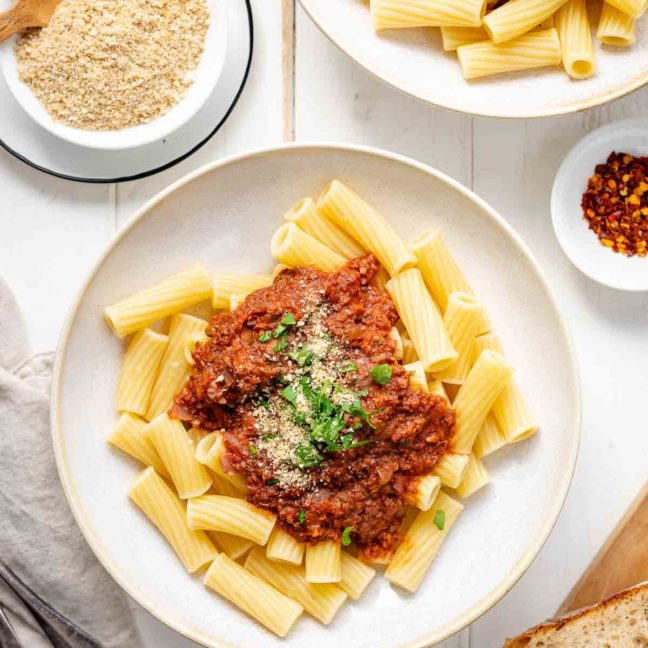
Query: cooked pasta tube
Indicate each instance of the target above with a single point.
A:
(417, 379)
(426, 489)
(130, 435)
(169, 296)
(409, 352)
(192, 341)
(356, 576)
(394, 14)
(422, 320)
(139, 371)
(489, 439)
(231, 545)
(209, 452)
(230, 515)
(163, 508)
(572, 25)
(366, 225)
(517, 17)
(616, 27)
(175, 448)
(293, 247)
(450, 470)
(511, 411)
(441, 273)
(461, 319)
(436, 387)
(398, 349)
(283, 548)
(225, 487)
(475, 477)
(485, 382)
(278, 269)
(260, 600)
(323, 562)
(533, 50)
(421, 543)
(453, 37)
(174, 368)
(307, 217)
(320, 600)
(634, 8)
(227, 284)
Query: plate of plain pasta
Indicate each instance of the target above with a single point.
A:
(510, 58)
(316, 393)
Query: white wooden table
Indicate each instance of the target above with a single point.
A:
(52, 230)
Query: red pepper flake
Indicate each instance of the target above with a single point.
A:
(615, 204)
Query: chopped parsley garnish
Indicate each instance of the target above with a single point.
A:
(289, 394)
(272, 481)
(287, 320)
(346, 536)
(381, 374)
(348, 366)
(265, 337)
(348, 443)
(270, 437)
(307, 455)
(302, 516)
(282, 344)
(439, 519)
(264, 402)
(253, 451)
(302, 357)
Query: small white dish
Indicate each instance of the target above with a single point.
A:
(230, 209)
(206, 77)
(578, 242)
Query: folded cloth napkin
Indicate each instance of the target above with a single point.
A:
(39, 539)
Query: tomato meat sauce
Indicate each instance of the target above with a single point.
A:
(317, 413)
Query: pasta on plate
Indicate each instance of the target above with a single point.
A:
(330, 418)
(511, 35)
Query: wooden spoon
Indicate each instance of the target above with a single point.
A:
(25, 14)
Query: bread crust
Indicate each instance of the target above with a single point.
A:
(551, 625)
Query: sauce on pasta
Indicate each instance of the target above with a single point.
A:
(317, 413)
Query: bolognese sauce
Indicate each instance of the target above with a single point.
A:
(316, 411)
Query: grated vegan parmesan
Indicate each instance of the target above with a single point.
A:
(105, 65)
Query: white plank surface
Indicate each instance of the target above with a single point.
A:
(51, 231)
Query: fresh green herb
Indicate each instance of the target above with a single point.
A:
(282, 344)
(347, 367)
(381, 374)
(307, 456)
(264, 402)
(302, 357)
(264, 337)
(346, 536)
(439, 519)
(272, 481)
(348, 443)
(287, 320)
(302, 516)
(289, 394)
(270, 437)
(253, 451)
(362, 393)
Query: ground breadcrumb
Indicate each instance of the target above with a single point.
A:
(109, 64)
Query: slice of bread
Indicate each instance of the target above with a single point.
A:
(620, 621)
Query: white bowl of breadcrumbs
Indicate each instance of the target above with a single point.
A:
(117, 74)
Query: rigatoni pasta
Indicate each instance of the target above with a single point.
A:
(172, 443)
(293, 247)
(167, 513)
(342, 205)
(227, 284)
(572, 25)
(209, 452)
(169, 296)
(323, 564)
(634, 8)
(282, 547)
(391, 14)
(616, 27)
(422, 320)
(356, 576)
(139, 371)
(517, 17)
(475, 477)
(253, 595)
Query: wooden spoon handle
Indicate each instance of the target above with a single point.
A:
(9, 24)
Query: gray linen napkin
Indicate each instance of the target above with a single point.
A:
(39, 538)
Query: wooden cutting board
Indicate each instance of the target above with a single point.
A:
(622, 561)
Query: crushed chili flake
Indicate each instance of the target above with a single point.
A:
(615, 204)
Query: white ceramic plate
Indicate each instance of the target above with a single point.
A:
(578, 242)
(224, 215)
(206, 77)
(413, 61)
